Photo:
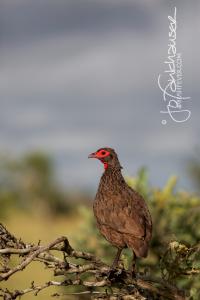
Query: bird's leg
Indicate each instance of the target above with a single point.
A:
(133, 265)
(115, 262)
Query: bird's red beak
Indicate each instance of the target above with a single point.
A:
(92, 155)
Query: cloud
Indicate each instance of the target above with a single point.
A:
(78, 76)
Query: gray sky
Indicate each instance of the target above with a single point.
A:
(78, 75)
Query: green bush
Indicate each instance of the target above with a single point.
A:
(29, 183)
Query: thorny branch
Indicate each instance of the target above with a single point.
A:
(96, 272)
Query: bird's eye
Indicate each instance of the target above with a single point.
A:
(103, 152)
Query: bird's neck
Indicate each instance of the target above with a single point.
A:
(112, 178)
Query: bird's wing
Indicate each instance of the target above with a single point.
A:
(128, 214)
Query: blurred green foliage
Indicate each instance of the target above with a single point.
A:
(29, 183)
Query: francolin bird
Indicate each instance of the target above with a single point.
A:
(121, 213)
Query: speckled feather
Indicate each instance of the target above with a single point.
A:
(122, 215)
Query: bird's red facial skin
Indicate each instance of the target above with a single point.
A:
(101, 154)
(105, 165)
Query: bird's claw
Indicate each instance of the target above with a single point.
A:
(117, 274)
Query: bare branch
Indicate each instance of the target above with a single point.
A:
(31, 257)
(98, 273)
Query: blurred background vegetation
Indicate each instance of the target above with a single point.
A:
(35, 207)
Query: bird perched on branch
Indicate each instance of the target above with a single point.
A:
(121, 213)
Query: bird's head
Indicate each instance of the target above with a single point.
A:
(107, 156)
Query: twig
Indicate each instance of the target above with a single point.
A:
(30, 258)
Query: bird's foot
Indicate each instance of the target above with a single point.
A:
(133, 270)
(132, 274)
(117, 274)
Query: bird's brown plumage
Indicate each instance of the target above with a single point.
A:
(121, 213)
